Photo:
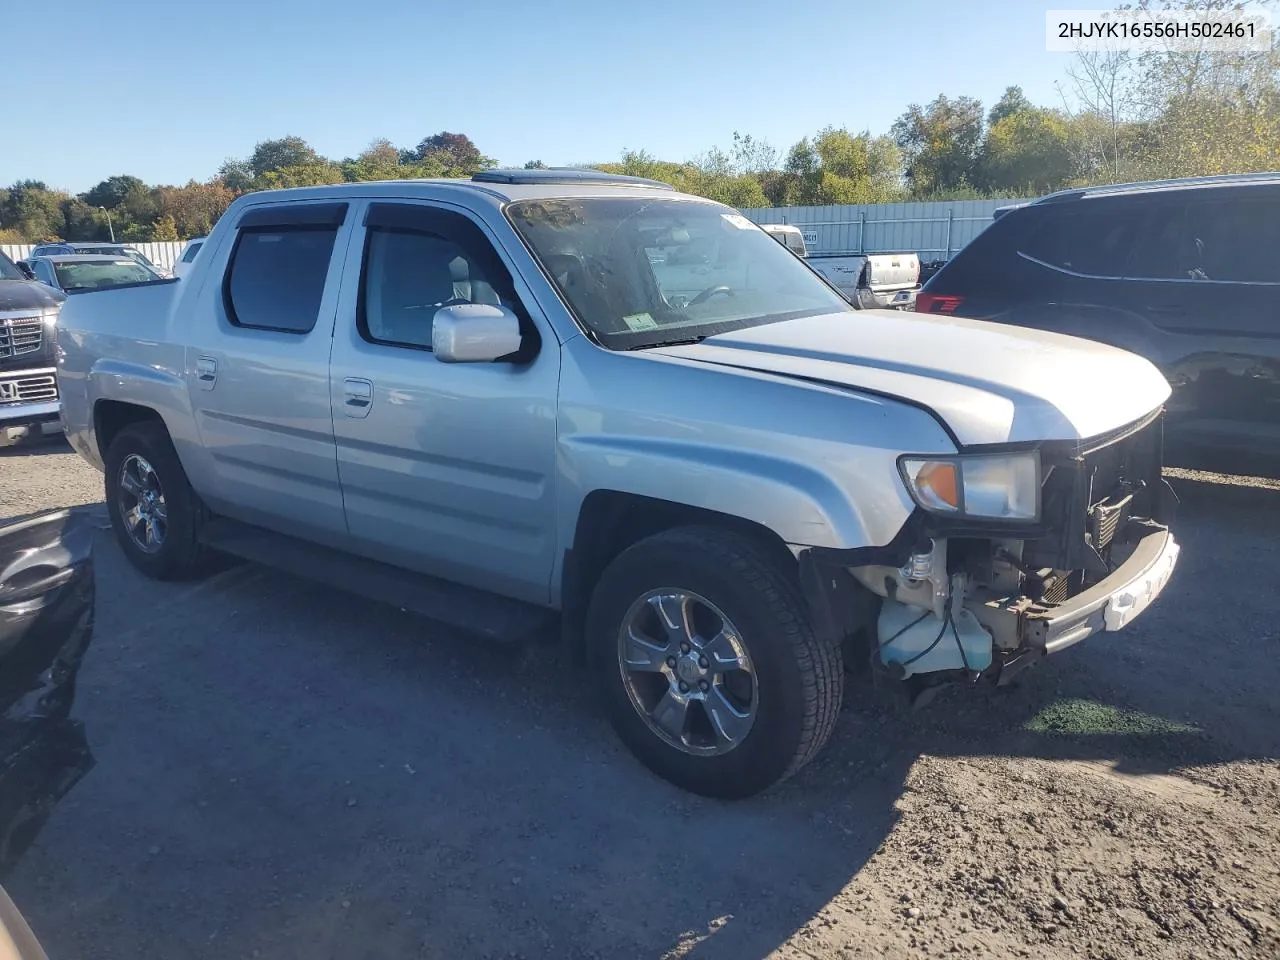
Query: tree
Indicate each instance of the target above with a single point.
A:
(33, 210)
(1012, 102)
(82, 221)
(379, 161)
(1027, 151)
(454, 152)
(313, 174)
(751, 155)
(196, 207)
(269, 155)
(535, 165)
(235, 175)
(111, 192)
(940, 143)
(1103, 84)
(164, 229)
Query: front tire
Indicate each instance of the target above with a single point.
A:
(702, 646)
(154, 512)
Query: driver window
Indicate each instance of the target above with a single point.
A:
(408, 276)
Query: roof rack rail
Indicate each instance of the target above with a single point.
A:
(564, 175)
(1138, 186)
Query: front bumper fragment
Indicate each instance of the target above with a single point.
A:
(1111, 604)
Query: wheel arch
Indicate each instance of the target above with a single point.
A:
(610, 521)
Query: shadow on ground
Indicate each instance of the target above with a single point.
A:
(287, 772)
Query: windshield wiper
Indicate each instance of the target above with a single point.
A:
(669, 343)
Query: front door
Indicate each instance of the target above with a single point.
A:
(446, 468)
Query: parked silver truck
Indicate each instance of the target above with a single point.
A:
(542, 395)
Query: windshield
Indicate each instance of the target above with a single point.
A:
(97, 275)
(8, 271)
(641, 271)
(120, 251)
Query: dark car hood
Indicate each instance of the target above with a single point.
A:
(28, 295)
(46, 623)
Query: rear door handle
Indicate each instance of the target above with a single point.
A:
(358, 395)
(207, 372)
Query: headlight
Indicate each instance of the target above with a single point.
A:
(1000, 487)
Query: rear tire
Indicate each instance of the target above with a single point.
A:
(154, 512)
(732, 586)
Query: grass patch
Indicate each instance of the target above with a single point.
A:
(1088, 717)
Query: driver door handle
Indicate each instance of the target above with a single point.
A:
(358, 397)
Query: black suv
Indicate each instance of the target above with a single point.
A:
(1183, 272)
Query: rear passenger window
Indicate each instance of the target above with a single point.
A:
(276, 277)
(192, 250)
(1091, 241)
(1235, 240)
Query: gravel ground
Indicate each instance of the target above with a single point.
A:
(286, 772)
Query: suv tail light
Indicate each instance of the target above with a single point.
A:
(937, 303)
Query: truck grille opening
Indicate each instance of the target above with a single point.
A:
(22, 336)
(41, 388)
(1091, 490)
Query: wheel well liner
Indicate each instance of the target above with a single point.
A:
(112, 416)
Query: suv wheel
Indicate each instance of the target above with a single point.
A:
(708, 664)
(154, 512)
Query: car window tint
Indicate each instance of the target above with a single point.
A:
(408, 276)
(1088, 240)
(192, 250)
(1157, 250)
(1233, 240)
(276, 277)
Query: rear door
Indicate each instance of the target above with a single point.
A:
(1207, 277)
(260, 336)
(446, 468)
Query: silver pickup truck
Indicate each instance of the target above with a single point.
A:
(515, 399)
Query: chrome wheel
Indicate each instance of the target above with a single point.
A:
(140, 499)
(687, 672)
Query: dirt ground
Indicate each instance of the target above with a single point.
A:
(285, 772)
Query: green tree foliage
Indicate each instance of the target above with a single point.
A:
(164, 229)
(271, 155)
(940, 143)
(1027, 151)
(454, 152)
(111, 192)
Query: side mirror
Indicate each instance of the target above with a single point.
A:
(26, 270)
(474, 333)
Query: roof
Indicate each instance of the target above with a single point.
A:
(1153, 186)
(497, 186)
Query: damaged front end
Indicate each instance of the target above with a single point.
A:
(956, 596)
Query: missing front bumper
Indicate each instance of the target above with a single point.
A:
(1109, 605)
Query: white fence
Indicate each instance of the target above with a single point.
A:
(933, 230)
(163, 255)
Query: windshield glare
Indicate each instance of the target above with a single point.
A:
(95, 276)
(639, 271)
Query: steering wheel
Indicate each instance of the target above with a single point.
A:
(707, 294)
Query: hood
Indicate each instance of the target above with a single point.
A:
(990, 383)
(28, 295)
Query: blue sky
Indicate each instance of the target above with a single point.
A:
(557, 80)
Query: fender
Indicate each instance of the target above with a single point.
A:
(797, 501)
